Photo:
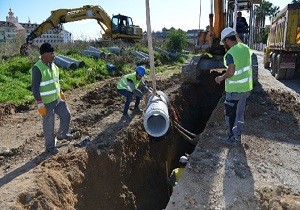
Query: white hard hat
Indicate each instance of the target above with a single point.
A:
(227, 32)
(183, 160)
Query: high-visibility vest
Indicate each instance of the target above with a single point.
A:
(49, 85)
(122, 83)
(241, 81)
(178, 172)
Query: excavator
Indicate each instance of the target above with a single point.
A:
(210, 50)
(117, 27)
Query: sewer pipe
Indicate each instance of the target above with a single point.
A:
(93, 53)
(79, 64)
(156, 116)
(60, 62)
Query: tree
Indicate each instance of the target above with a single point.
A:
(265, 9)
(176, 40)
(295, 2)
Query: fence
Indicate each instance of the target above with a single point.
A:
(259, 46)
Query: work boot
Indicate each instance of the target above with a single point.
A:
(137, 110)
(67, 137)
(229, 140)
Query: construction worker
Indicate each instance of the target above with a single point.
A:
(241, 26)
(238, 83)
(128, 86)
(50, 99)
(176, 173)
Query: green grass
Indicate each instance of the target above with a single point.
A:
(14, 91)
(15, 79)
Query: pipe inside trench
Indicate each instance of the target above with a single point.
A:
(131, 172)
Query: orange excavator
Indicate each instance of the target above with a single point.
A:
(210, 52)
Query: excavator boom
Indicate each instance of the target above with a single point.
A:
(61, 16)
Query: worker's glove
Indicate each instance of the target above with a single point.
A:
(62, 96)
(137, 93)
(41, 108)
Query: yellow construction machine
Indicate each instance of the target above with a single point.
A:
(210, 51)
(117, 27)
(283, 45)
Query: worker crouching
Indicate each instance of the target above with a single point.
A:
(132, 85)
(176, 173)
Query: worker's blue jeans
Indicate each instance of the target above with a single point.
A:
(128, 96)
(235, 106)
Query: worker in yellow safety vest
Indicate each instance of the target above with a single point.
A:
(133, 85)
(176, 173)
(238, 84)
(50, 99)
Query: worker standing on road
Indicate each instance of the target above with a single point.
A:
(176, 173)
(50, 99)
(238, 83)
(128, 86)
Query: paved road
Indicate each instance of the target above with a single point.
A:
(293, 84)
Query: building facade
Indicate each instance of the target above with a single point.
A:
(11, 29)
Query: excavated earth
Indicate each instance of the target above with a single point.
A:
(114, 164)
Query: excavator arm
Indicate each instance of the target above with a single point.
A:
(61, 16)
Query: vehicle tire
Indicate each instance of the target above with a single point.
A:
(273, 64)
(266, 63)
(289, 73)
(280, 73)
(254, 67)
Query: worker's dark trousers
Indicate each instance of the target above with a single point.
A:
(128, 96)
(61, 109)
(235, 105)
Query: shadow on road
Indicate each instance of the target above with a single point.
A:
(24, 168)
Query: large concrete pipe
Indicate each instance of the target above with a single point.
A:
(115, 50)
(167, 53)
(156, 117)
(93, 49)
(60, 62)
(78, 63)
(93, 53)
(140, 55)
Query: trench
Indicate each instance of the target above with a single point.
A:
(130, 173)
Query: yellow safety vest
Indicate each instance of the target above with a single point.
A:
(49, 86)
(122, 83)
(241, 81)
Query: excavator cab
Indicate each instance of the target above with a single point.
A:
(120, 23)
(123, 28)
(243, 26)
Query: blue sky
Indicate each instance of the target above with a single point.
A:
(183, 14)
